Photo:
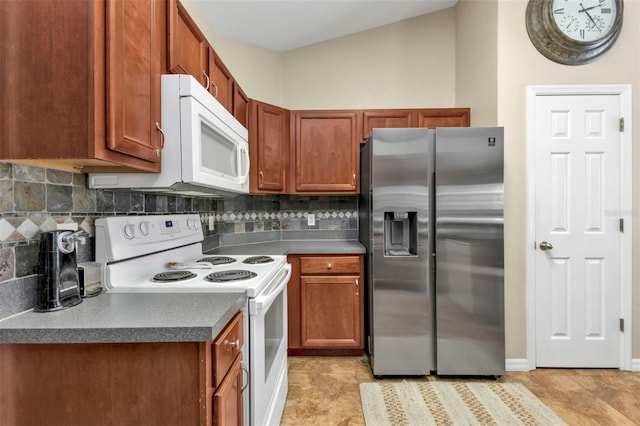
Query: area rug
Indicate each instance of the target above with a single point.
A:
(453, 403)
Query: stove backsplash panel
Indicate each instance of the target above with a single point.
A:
(35, 199)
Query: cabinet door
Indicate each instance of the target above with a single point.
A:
(221, 84)
(227, 399)
(133, 77)
(325, 152)
(268, 147)
(330, 311)
(240, 105)
(186, 45)
(444, 117)
(387, 118)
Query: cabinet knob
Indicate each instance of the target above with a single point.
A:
(235, 344)
(329, 266)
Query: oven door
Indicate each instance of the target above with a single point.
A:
(268, 350)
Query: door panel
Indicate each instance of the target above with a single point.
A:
(577, 211)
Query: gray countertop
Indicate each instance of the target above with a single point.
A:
(125, 318)
(151, 317)
(294, 247)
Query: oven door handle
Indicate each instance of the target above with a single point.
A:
(266, 298)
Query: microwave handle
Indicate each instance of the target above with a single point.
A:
(244, 158)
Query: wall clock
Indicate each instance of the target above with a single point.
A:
(573, 32)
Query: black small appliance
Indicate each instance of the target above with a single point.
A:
(58, 284)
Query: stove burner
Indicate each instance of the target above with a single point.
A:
(233, 275)
(171, 276)
(217, 260)
(258, 259)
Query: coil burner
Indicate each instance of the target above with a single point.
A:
(233, 275)
(173, 276)
(258, 259)
(217, 260)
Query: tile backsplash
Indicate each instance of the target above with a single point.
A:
(34, 199)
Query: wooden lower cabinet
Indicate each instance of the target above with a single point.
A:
(113, 384)
(227, 399)
(326, 305)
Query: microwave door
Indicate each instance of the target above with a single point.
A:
(211, 153)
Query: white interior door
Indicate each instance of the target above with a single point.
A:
(577, 230)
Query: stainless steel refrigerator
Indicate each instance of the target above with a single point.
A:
(431, 218)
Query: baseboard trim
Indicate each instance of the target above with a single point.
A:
(517, 364)
(522, 364)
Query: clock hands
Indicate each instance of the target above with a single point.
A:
(589, 15)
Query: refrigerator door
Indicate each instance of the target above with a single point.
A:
(400, 251)
(469, 251)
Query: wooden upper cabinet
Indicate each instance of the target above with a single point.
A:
(386, 118)
(81, 83)
(443, 117)
(268, 147)
(240, 105)
(221, 81)
(186, 45)
(325, 151)
(134, 50)
(430, 118)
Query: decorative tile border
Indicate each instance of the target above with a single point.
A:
(35, 200)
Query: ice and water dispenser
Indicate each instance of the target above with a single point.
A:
(400, 234)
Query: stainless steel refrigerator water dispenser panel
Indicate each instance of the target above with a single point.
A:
(400, 234)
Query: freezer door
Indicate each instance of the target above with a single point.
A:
(401, 313)
(469, 251)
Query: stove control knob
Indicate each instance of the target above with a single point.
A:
(129, 231)
(144, 227)
(192, 223)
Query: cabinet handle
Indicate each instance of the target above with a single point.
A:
(357, 287)
(215, 95)
(353, 181)
(329, 266)
(261, 178)
(235, 344)
(248, 376)
(208, 80)
(161, 134)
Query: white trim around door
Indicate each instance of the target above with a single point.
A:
(624, 93)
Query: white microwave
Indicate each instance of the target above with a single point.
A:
(205, 153)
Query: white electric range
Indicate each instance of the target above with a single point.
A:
(163, 254)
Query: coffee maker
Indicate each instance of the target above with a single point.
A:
(58, 284)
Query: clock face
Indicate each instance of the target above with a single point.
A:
(573, 32)
(584, 20)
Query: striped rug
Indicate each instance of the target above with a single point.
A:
(452, 403)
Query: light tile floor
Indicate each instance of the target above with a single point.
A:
(325, 391)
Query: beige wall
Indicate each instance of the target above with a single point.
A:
(257, 70)
(476, 59)
(519, 65)
(406, 64)
(477, 54)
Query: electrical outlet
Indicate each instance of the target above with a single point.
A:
(311, 219)
(211, 223)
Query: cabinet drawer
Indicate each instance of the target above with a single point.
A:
(330, 265)
(225, 348)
